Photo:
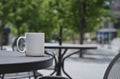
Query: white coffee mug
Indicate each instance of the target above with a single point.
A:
(34, 44)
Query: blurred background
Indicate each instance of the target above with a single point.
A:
(82, 21)
(89, 21)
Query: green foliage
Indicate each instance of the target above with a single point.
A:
(48, 15)
(118, 33)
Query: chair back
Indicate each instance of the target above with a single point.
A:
(21, 45)
(14, 43)
(113, 70)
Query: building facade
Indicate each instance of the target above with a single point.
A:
(116, 12)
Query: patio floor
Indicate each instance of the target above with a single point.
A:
(89, 67)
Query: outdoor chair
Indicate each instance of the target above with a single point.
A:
(53, 77)
(113, 70)
(20, 75)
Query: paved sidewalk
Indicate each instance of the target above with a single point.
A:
(90, 67)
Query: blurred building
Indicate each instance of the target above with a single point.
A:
(116, 12)
(105, 35)
(109, 29)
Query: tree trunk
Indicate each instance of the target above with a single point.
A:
(82, 25)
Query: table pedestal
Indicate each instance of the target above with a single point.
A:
(59, 63)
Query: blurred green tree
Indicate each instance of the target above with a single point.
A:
(87, 14)
(77, 16)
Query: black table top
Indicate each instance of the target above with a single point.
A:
(61, 54)
(11, 62)
(70, 46)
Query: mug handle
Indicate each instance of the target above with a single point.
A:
(17, 45)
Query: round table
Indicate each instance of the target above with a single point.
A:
(12, 62)
(62, 54)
